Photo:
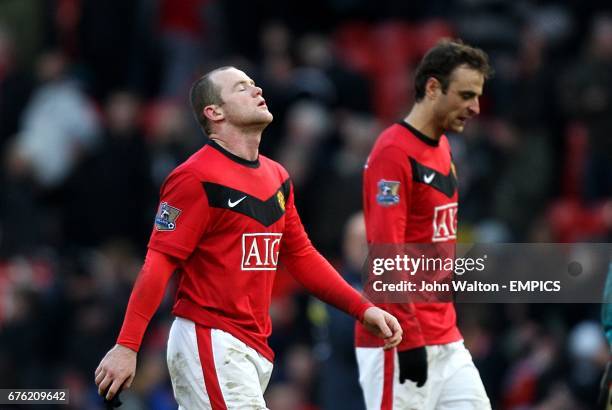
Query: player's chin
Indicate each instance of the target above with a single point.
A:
(458, 126)
(269, 116)
(263, 119)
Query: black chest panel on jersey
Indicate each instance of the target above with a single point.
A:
(265, 212)
(447, 184)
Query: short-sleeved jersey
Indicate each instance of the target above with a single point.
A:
(227, 219)
(410, 197)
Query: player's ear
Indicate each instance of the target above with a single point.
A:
(432, 87)
(213, 112)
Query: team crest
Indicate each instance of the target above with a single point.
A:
(165, 220)
(281, 199)
(388, 192)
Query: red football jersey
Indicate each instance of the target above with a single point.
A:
(228, 220)
(410, 197)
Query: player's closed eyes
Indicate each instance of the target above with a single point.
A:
(243, 86)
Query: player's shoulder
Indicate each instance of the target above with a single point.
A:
(392, 132)
(193, 169)
(391, 142)
(444, 143)
(193, 162)
(183, 175)
(276, 167)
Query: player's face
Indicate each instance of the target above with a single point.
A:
(243, 102)
(460, 102)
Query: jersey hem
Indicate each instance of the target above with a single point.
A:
(189, 310)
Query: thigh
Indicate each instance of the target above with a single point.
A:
(242, 373)
(185, 367)
(462, 388)
(211, 369)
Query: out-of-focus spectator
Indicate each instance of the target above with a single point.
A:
(322, 76)
(185, 41)
(23, 221)
(586, 92)
(96, 210)
(589, 354)
(275, 76)
(307, 128)
(59, 125)
(152, 388)
(526, 176)
(338, 366)
(525, 377)
(300, 370)
(285, 396)
(336, 182)
(21, 339)
(170, 137)
(480, 328)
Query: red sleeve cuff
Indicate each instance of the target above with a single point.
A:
(361, 311)
(131, 346)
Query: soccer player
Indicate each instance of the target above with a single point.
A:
(410, 197)
(226, 219)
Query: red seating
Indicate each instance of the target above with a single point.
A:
(387, 53)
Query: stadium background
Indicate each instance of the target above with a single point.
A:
(94, 114)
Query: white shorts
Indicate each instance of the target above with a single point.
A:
(211, 369)
(453, 382)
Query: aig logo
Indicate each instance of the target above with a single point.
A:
(445, 222)
(260, 251)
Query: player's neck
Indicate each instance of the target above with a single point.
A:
(421, 118)
(243, 144)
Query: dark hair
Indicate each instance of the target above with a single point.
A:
(205, 92)
(443, 58)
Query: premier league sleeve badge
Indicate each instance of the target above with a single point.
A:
(165, 220)
(388, 193)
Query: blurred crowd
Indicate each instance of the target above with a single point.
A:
(94, 115)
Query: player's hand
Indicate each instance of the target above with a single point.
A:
(413, 365)
(383, 325)
(605, 400)
(117, 369)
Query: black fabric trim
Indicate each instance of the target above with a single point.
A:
(234, 157)
(427, 140)
(447, 184)
(265, 212)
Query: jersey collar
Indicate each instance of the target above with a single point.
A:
(233, 157)
(419, 134)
